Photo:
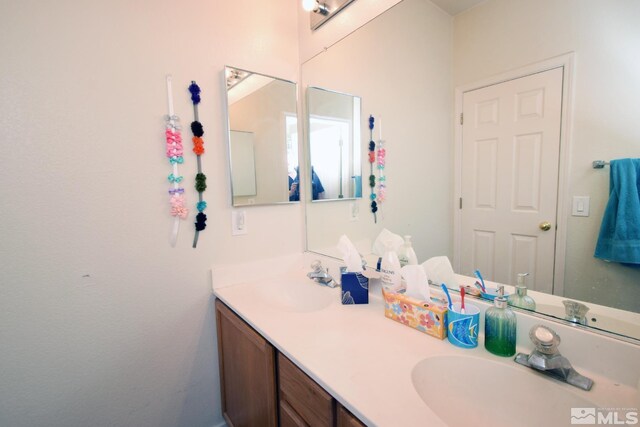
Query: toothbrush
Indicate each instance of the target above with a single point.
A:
(462, 300)
(478, 285)
(446, 292)
(479, 276)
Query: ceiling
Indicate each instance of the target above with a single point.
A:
(454, 7)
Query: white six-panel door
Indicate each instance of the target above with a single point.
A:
(510, 154)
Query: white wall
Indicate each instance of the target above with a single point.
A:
(415, 104)
(82, 95)
(501, 35)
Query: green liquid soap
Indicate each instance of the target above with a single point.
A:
(500, 346)
(500, 328)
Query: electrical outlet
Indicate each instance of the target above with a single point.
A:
(238, 222)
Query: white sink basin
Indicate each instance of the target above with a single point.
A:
(467, 391)
(292, 295)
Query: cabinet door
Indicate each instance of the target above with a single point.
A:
(247, 372)
(346, 418)
(311, 402)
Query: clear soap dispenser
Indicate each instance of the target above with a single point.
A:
(520, 298)
(406, 254)
(500, 327)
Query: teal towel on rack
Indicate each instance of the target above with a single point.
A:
(619, 238)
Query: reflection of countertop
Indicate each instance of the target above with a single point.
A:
(608, 319)
(366, 360)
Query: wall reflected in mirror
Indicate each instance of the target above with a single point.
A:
(426, 53)
(243, 163)
(263, 137)
(333, 123)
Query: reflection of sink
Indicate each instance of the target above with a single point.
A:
(296, 295)
(467, 391)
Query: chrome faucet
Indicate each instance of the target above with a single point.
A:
(575, 312)
(321, 275)
(547, 359)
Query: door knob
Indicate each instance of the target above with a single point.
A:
(545, 226)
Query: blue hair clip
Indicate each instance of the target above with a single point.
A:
(176, 179)
(195, 92)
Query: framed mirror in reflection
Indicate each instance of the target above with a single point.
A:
(263, 137)
(333, 124)
(429, 52)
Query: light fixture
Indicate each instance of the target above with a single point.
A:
(235, 76)
(315, 6)
(323, 10)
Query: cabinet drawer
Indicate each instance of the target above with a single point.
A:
(346, 418)
(314, 405)
(289, 417)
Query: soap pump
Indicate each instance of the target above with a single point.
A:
(500, 327)
(406, 254)
(520, 298)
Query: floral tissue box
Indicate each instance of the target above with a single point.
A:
(429, 318)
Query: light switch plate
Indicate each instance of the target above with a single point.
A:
(580, 206)
(354, 211)
(238, 222)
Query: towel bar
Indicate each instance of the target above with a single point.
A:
(599, 164)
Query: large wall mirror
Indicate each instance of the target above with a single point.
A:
(424, 53)
(333, 125)
(263, 137)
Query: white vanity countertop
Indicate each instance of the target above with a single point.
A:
(359, 356)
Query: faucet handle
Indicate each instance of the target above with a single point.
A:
(545, 339)
(575, 312)
(316, 265)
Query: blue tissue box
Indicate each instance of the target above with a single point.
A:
(355, 288)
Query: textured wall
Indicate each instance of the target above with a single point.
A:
(82, 95)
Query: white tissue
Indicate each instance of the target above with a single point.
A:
(439, 270)
(385, 241)
(350, 255)
(417, 282)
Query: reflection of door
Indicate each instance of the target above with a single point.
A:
(330, 148)
(510, 154)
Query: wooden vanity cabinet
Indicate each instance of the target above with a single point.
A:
(247, 373)
(299, 393)
(254, 395)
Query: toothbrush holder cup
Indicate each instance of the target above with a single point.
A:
(463, 328)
